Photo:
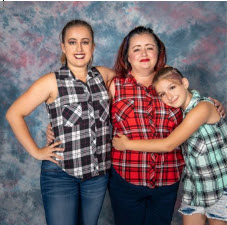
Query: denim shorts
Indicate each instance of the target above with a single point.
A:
(217, 211)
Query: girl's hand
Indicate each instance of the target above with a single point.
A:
(49, 135)
(120, 142)
(48, 152)
(219, 106)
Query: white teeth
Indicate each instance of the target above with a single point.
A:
(79, 56)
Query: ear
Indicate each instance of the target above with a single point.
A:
(185, 82)
(62, 47)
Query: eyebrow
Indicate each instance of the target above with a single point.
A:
(145, 45)
(81, 39)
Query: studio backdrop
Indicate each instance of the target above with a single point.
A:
(194, 34)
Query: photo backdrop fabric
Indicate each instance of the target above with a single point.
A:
(194, 34)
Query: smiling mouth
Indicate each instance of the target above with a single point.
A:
(79, 56)
(174, 101)
(144, 60)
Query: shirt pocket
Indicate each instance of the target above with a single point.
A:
(71, 114)
(124, 109)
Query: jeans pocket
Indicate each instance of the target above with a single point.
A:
(49, 166)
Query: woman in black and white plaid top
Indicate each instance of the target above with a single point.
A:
(75, 167)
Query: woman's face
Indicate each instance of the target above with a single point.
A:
(78, 46)
(142, 53)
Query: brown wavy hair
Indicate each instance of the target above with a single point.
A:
(168, 73)
(122, 65)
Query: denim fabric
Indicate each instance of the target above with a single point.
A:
(217, 211)
(140, 205)
(67, 199)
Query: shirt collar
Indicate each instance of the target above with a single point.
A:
(66, 73)
(195, 98)
(131, 80)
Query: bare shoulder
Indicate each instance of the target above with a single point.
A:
(209, 107)
(49, 77)
(47, 81)
(46, 84)
(204, 105)
(205, 111)
(103, 69)
(107, 73)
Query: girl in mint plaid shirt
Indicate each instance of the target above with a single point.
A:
(203, 138)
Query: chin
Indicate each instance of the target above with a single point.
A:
(174, 105)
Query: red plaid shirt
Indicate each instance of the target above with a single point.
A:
(138, 113)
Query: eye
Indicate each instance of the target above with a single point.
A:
(136, 50)
(161, 95)
(72, 42)
(85, 42)
(150, 48)
(172, 87)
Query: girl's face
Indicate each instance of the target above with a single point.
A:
(173, 93)
(142, 52)
(78, 46)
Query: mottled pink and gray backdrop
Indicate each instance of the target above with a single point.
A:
(193, 32)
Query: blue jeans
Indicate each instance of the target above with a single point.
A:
(68, 199)
(139, 205)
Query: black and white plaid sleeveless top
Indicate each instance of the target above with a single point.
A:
(80, 119)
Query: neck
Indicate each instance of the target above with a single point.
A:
(79, 72)
(187, 100)
(144, 77)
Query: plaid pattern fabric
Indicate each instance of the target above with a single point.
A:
(138, 113)
(205, 153)
(80, 119)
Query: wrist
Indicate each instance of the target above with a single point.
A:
(35, 154)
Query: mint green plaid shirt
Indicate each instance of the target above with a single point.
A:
(205, 154)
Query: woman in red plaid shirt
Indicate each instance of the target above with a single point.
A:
(143, 186)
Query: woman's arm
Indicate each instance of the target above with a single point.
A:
(112, 90)
(204, 112)
(42, 90)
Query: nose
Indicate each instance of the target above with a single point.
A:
(79, 48)
(169, 96)
(144, 52)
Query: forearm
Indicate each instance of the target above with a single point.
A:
(151, 145)
(22, 133)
